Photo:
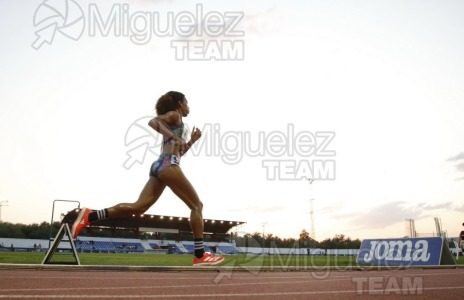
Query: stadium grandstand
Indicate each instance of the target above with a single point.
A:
(146, 233)
(177, 227)
(153, 233)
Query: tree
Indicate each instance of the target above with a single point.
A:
(9, 230)
(42, 231)
(304, 235)
(340, 242)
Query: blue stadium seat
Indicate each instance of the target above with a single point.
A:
(227, 249)
(154, 245)
(174, 249)
(128, 247)
(190, 248)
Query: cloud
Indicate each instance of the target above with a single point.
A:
(460, 208)
(331, 208)
(460, 167)
(394, 212)
(460, 156)
(424, 206)
(459, 163)
(386, 214)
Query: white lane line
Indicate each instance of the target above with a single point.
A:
(248, 295)
(165, 286)
(290, 279)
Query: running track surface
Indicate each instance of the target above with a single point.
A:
(70, 283)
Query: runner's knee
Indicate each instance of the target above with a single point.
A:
(140, 208)
(197, 207)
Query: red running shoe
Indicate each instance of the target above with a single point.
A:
(207, 260)
(81, 222)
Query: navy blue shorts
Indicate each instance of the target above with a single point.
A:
(162, 163)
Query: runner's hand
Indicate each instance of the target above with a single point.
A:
(196, 134)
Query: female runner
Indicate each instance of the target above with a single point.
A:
(164, 172)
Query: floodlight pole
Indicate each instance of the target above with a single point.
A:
(311, 209)
(264, 239)
(53, 212)
(2, 203)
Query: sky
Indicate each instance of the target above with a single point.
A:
(364, 97)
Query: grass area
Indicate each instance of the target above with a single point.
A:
(175, 260)
(181, 260)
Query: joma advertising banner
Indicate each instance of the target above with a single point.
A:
(405, 252)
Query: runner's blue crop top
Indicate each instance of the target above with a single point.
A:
(178, 131)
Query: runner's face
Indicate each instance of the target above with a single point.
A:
(184, 108)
